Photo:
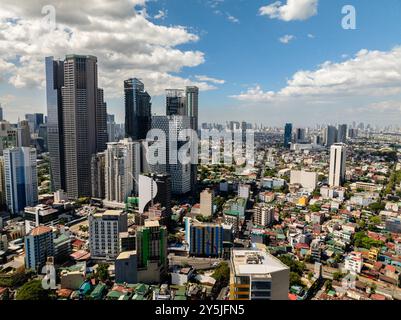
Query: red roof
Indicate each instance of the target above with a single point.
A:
(292, 297)
(80, 255)
(377, 296)
(301, 246)
(64, 293)
(390, 268)
(77, 243)
(40, 230)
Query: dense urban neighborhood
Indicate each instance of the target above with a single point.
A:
(316, 215)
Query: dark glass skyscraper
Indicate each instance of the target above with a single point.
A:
(138, 114)
(54, 83)
(84, 122)
(77, 126)
(192, 105)
(288, 135)
(175, 102)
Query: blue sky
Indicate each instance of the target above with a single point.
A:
(240, 47)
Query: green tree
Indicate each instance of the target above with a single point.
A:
(295, 279)
(32, 290)
(102, 272)
(222, 273)
(338, 276)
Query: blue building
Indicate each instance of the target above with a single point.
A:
(21, 179)
(288, 135)
(38, 247)
(205, 240)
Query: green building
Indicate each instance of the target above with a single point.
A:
(151, 244)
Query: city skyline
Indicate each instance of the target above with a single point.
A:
(304, 67)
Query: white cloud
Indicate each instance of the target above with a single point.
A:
(287, 38)
(162, 14)
(118, 32)
(232, 18)
(292, 10)
(311, 36)
(209, 79)
(367, 74)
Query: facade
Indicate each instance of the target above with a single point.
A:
(138, 114)
(151, 244)
(205, 240)
(354, 262)
(244, 191)
(192, 105)
(180, 172)
(104, 233)
(98, 165)
(175, 103)
(206, 203)
(330, 136)
(257, 275)
(123, 164)
(338, 159)
(55, 137)
(2, 183)
(38, 247)
(84, 122)
(111, 128)
(40, 215)
(287, 135)
(126, 268)
(308, 180)
(24, 134)
(342, 133)
(21, 179)
(263, 215)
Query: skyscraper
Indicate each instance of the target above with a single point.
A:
(55, 132)
(337, 165)
(175, 102)
(98, 166)
(84, 122)
(192, 105)
(138, 113)
(24, 134)
(287, 135)
(21, 178)
(111, 128)
(330, 136)
(1, 113)
(180, 172)
(123, 163)
(342, 133)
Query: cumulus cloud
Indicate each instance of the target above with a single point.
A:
(367, 74)
(287, 38)
(292, 10)
(118, 32)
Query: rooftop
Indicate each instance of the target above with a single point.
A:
(40, 230)
(255, 262)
